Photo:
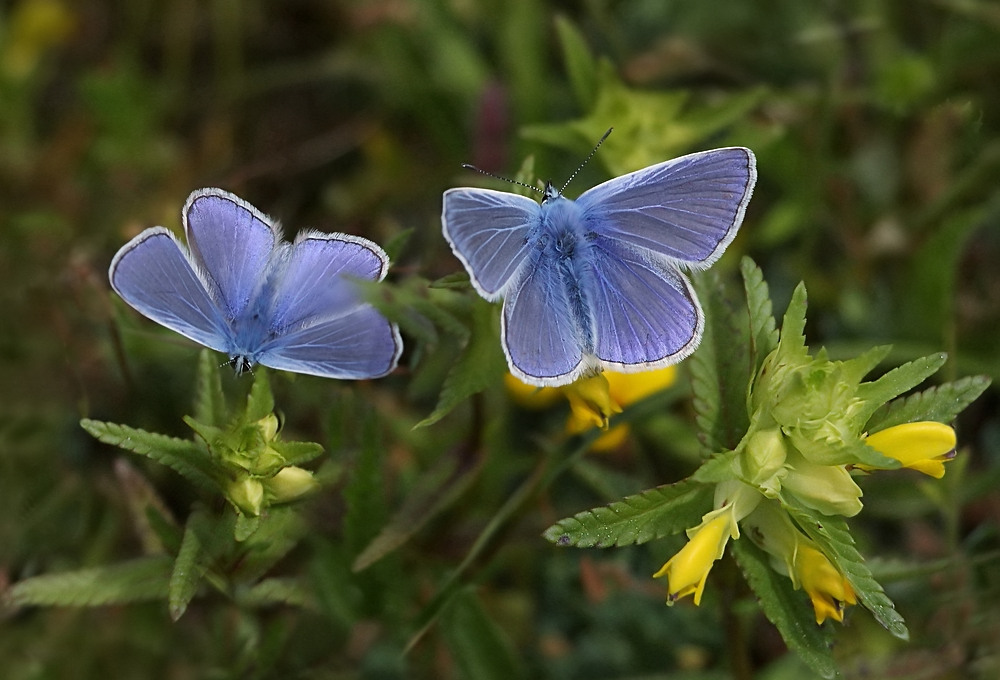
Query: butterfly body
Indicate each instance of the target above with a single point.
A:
(597, 282)
(239, 289)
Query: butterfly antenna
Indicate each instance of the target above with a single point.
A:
(585, 160)
(505, 179)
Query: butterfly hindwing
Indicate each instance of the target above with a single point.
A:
(489, 232)
(540, 334)
(357, 345)
(645, 314)
(687, 210)
(153, 273)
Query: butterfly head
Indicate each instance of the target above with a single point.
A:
(241, 364)
(550, 192)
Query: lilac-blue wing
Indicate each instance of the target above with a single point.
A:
(153, 274)
(489, 232)
(360, 344)
(317, 274)
(645, 313)
(232, 242)
(539, 332)
(687, 209)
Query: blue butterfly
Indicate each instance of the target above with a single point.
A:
(239, 289)
(597, 283)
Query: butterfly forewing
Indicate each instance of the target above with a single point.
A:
(233, 243)
(153, 273)
(488, 231)
(687, 209)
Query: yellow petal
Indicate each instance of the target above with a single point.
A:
(590, 400)
(628, 388)
(924, 446)
(828, 590)
(529, 396)
(687, 571)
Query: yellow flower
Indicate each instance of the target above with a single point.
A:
(594, 399)
(530, 396)
(923, 446)
(590, 402)
(798, 557)
(826, 586)
(687, 571)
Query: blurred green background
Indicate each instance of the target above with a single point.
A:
(876, 124)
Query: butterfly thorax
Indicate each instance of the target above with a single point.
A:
(565, 241)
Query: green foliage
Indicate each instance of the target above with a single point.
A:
(876, 131)
(652, 514)
(784, 607)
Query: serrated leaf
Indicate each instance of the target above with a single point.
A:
(897, 381)
(787, 609)
(834, 538)
(481, 365)
(663, 511)
(478, 645)
(763, 329)
(853, 370)
(941, 403)
(279, 530)
(188, 567)
(138, 580)
(793, 324)
(721, 369)
(297, 453)
(209, 403)
(186, 457)
(580, 65)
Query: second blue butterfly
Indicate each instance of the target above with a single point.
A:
(598, 282)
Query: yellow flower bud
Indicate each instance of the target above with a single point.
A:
(289, 484)
(247, 494)
(590, 401)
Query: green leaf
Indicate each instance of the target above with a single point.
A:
(188, 568)
(941, 403)
(580, 65)
(481, 365)
(479, 646)
(897, 381)
(663, 511)
(437, 490)
(297, 453)
(139, 580)
(186, 457)
(260, 402)
(364, 493)
(793, 325)
(272, 591)
(721, 369)
(789, 610)
(834, 538)
(279, 530)
(209, 403)
(763, 332)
